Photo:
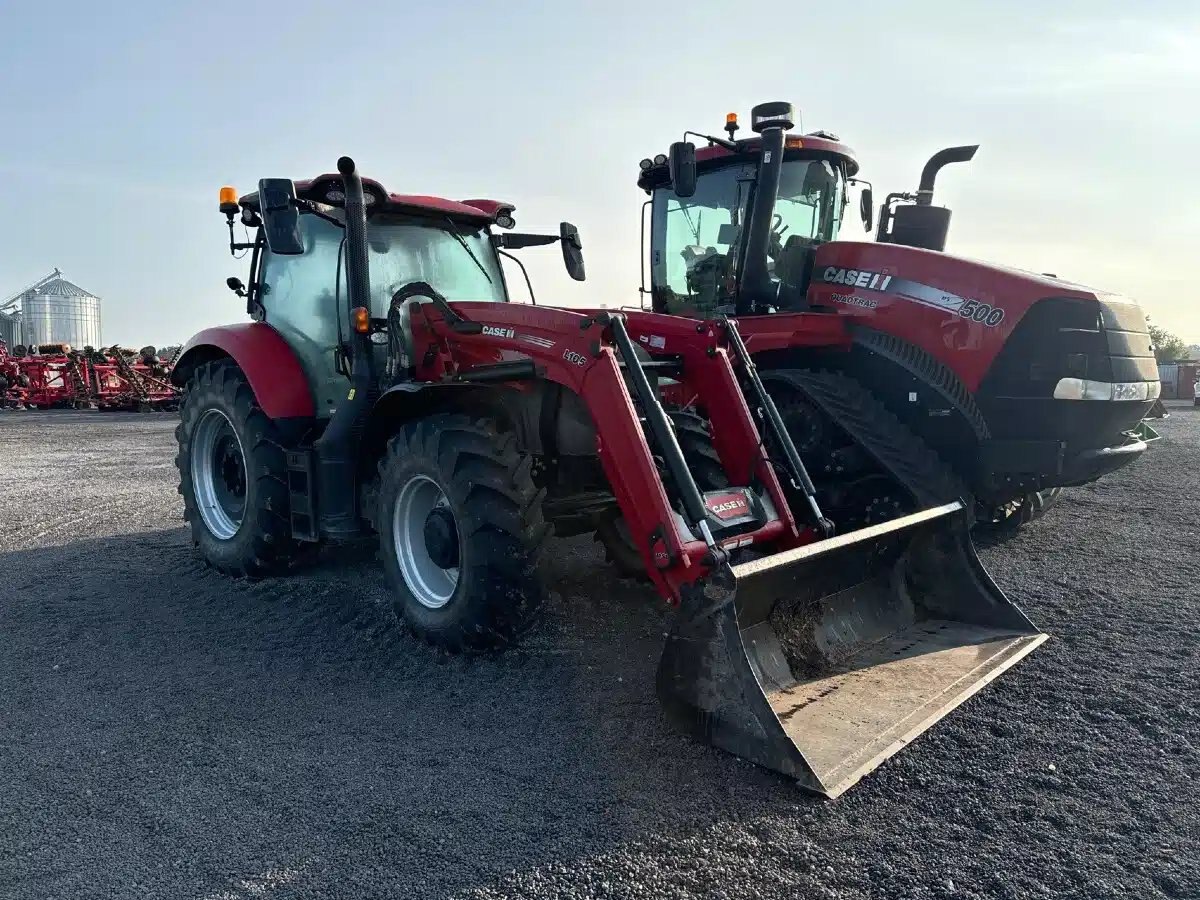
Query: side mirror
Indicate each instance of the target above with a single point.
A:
(281, 219)
(682, 167)
(572, 249)
(866, 209)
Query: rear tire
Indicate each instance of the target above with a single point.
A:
(461, 533)
(233, 475)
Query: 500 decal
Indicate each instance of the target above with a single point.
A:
(983, 313)
(913, 291)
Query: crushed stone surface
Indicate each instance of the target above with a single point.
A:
(167, 732)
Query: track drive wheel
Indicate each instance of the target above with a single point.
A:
(1006, 519)
(696, 443)
(233, 475)
(461, 532)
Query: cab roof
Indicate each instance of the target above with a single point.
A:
(327, 189)
(798, 146)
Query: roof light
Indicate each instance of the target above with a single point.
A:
(229, 200)
(646, 164)
(731, 124)
(661, 159)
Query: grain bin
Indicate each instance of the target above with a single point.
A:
(60, 312)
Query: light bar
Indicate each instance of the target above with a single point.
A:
(1083, 389)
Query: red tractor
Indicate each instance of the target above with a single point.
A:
(386, 385)
(1022, 383)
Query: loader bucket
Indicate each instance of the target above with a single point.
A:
(829, 658)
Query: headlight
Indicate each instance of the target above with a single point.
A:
(1129, 390)
(1083, 389)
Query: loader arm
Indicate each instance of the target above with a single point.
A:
(578, 351)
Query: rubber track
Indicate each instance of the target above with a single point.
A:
(897, 450)
(928, 369)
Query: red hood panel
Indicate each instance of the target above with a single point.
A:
(959, 310)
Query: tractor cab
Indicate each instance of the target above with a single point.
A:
(298, 263)
(729, 221)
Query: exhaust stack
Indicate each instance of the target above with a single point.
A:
(921, 224)
(936, 163)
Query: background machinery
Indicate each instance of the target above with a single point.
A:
(385, 385)
(54, 376)
(1022, 383)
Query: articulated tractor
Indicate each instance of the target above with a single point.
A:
(1021, 383)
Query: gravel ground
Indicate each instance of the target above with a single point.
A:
(167, 732)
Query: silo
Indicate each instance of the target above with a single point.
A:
(10, 330)
(60, 312)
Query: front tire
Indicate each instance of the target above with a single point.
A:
(695, 442)
(461, 533)
(233, 475)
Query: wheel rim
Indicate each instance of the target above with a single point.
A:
(426, 540)
(218, 474)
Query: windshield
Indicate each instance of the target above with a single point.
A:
(304, 302)
(696, 241)
(461, 263)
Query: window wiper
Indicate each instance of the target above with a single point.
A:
(471, 253)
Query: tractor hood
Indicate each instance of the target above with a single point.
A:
(949, 305)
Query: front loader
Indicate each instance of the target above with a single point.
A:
(409, 399)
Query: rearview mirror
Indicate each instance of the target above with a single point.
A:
(572, 249)
(682, 167)
(866, 209)
(281, 219)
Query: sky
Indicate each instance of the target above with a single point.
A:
(119, 122)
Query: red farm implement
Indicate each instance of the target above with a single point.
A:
(53, 376)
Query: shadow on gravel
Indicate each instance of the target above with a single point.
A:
(168, 732)
(175, 729)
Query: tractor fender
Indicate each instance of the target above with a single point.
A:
(269, 363)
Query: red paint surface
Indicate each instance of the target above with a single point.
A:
(316, 188)
(967, 347)
(274, 372)
(794, 142)
(491, 208)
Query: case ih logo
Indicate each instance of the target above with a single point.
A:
(728, 506)
(497, 331)
(874, 281)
